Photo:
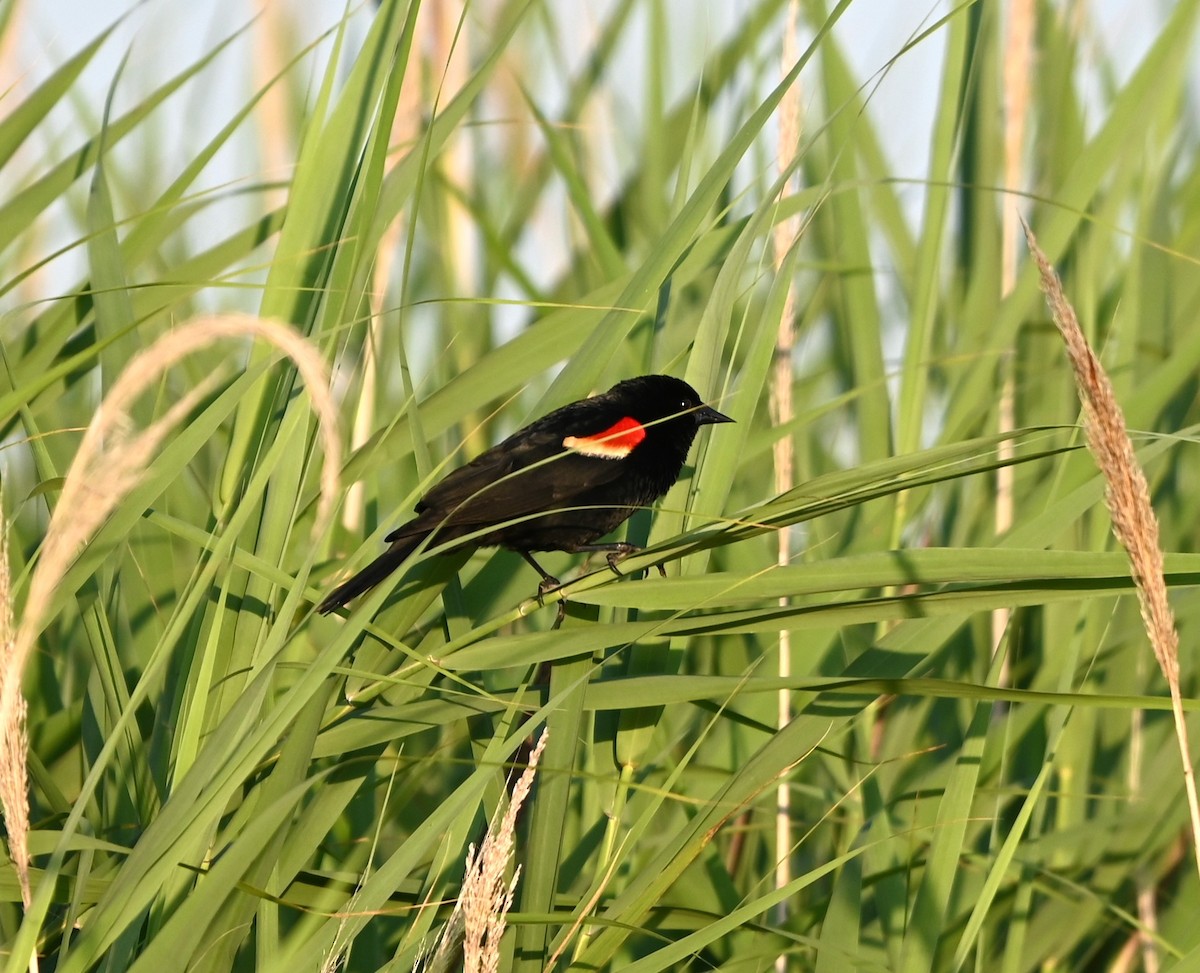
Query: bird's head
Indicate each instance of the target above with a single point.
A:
(660, 411)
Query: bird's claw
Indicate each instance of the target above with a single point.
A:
(618, 554)
(545, 586)
(548, 584)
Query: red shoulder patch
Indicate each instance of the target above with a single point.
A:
(615, 442)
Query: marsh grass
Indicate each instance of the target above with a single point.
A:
(219, 780)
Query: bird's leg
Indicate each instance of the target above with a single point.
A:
(545, 586)
(614, 552)
(617, 552)
(548, 582)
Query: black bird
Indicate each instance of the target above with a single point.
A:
(558, 484)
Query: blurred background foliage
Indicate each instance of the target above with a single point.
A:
(477, 214)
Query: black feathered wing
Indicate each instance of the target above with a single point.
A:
(530, 473)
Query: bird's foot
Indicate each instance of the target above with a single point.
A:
(548, 584)
(545, 586)
(613, 553)
(616, 553)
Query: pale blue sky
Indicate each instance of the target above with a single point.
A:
(161, 36)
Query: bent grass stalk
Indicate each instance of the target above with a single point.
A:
(110, 462)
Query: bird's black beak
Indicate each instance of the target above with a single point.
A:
(706, 415)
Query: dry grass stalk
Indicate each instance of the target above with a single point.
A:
(782, 411)
(486, 897)
(110, 461)
(274, 131)
(1018, 70)
(444, 45)
(1128, 499)
(483, 904)
(14, 744)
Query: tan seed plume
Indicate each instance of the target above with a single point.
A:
(110, 461)
(1128, 499)
(14, 744)
(486, 897)
(480, 914)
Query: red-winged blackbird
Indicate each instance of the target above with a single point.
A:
(558, 484)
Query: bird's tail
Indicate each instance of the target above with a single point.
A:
(371, 575)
